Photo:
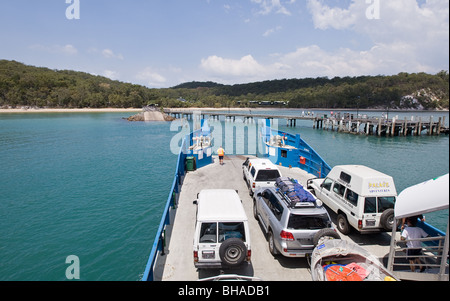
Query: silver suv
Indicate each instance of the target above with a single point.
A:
(294, 227)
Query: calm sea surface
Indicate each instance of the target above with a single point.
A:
(94, 185)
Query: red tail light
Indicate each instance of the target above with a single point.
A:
(195, 256)
(359, 224)
(254, 185)
(249, 254)
(286, 235)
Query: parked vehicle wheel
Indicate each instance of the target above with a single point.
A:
(273, 250)
(255, 210)
(387, 219)
(232, 252)
(325, 234)
(342, 224)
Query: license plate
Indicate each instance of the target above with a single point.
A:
(370, 223)
(305, 241)
(208, 254)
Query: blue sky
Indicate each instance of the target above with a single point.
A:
(162, 43)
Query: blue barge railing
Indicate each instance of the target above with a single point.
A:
(303, 156)
(172, 202)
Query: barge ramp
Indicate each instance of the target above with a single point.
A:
(175, 261)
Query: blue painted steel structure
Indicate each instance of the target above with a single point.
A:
(202, 155)
(172, 200)
(298, 154)
(314, 164)
(311, 162)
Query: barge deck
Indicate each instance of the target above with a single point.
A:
(175, 261)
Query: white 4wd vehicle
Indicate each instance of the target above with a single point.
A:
(361, 196)
(222, 235)
(259, 173)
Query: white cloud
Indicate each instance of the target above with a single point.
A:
(106, 53)
(269, 6)
(313, 61)
(403, 20)
(114, 75)
(151, 78)
(109, 54)
(337, 18)
(271, 31)
(245, 67)
(56, 49)
(407, 36)
(67, 49)
(392, 58)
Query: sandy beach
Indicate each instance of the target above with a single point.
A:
(136, 110)
(83, 110)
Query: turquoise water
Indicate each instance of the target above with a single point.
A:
(90, 185)
(94, 185)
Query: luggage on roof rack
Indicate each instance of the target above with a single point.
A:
(294, 193)
(288, 184)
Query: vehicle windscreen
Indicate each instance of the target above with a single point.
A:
(267, 175)
(308, 222)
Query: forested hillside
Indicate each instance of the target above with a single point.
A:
(22, 85)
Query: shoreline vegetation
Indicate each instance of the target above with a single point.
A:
(155, 114)
(69, 110)
(28, 87)
(23, 110)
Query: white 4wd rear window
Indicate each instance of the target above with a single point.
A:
(268, 175)
(209, 234)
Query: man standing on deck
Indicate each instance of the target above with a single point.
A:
(414, 247)
(221, 153)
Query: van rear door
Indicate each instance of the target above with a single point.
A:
(370, 217)
(207, 242)
(374, 208)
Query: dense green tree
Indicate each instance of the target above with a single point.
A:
(22, 85)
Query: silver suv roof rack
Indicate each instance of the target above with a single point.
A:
(290, 202)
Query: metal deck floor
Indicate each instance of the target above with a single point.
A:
(177, 263)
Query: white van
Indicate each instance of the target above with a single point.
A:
(361, 196)
(222, 235)
(259, 173)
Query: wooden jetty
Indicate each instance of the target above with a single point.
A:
(232, 115)
(343, 123)
(382, 126)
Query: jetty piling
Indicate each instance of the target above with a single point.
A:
(348, 123)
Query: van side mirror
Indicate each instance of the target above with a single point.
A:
(195, 202)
